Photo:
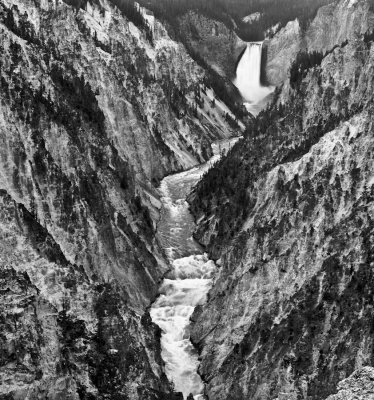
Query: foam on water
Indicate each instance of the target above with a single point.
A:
(186, 286)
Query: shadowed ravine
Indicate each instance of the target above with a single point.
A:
(189, 280)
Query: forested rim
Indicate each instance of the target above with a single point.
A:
(232, 12)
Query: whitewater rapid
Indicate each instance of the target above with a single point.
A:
(248, 78)
(188, 282)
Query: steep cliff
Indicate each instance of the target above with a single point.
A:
(64, 335)
(289, 214)
(93, 112)
(280, 51)
(334, 24)
(213, 40)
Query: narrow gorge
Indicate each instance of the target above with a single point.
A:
(189, 280)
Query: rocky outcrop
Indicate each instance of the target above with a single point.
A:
(280, 51)
(216, 47)
(359, 386)
(334, 24)
(338, 22)
(93, 113)
(290, 314)
(214, 41)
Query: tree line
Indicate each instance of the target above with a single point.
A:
(232, 12)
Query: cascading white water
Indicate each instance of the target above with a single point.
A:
(248, 78)
(187, 284)
(248, 73)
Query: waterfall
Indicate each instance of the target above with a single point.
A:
(248, 77)
(249, 70)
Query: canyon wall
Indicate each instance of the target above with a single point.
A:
(334, 24)
(214, 41)
(288, 214)
(93, 113)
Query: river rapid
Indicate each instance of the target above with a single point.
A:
(188, 282)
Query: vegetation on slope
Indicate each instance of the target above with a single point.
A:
(278, 135)
(232, 12)
(223, 88)
(305, 61)
(128, 9)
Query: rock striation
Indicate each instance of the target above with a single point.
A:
(214, 41)
(333, 25)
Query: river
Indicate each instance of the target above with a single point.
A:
(189, 280)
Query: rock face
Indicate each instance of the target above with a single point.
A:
(359, 386)
(64, 335)
(333, 24)
(281, 50)
(218, 49)
(214, 41)
(289, 213)
(92, 114)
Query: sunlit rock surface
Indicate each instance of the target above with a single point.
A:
(359, 386)
(333, 24)
(281, 50)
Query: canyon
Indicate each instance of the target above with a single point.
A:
(158, 241)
